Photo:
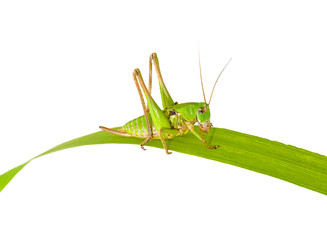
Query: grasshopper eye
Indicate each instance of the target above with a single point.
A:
(202, 110)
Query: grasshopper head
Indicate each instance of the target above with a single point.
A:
(203, 118)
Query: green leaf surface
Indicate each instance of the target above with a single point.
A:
(295, 165)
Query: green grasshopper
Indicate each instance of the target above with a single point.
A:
(174, 120)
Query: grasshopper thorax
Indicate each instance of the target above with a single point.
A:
(194, 113)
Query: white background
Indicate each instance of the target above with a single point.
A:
(66, 68)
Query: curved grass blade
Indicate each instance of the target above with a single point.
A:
(295, 165)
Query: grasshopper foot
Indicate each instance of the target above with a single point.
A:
(149, 138)
(211, 147)
(143, 147)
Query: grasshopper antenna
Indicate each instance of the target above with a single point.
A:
(204, 96)
(218, 78)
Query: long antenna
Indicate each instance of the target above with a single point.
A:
(218, 78)
(204, 96)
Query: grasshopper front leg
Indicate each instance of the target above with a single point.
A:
(191, 128)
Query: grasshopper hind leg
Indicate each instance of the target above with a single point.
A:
(148, 139)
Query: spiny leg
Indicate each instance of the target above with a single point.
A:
(167, 133)
(164, 144)
(137, 77)
(208, 146)
(148, 138)
(159, 119)
(201, 133)
(191, 128)
(150, 75)
(150, 83)
(167, 101)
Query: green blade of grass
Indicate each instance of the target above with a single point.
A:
(295, 165)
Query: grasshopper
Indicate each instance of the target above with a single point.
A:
(174, 120)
